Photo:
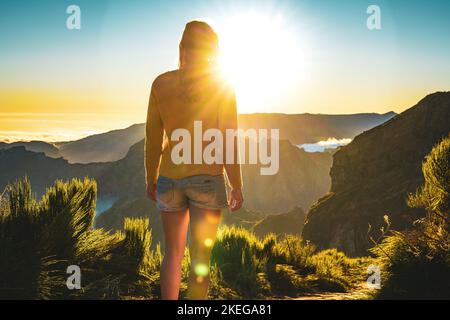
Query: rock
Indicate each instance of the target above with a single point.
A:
(372, 176)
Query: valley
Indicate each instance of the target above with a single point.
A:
(336, 207)
(311, 218)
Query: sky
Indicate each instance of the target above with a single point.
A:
(314, 56)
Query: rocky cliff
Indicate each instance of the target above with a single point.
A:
(372, 176)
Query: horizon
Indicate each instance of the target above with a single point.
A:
(60, 84)
(51, 139)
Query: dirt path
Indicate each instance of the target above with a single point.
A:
(361, 292)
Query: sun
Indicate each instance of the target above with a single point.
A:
(261, 56)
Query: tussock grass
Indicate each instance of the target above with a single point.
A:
(416, 263)
(289, 266)
(40, 239)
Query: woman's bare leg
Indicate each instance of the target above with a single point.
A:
(175, 226)
(204, 225)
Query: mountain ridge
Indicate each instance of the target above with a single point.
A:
(302, 178)
(372, 176)
(297, 128)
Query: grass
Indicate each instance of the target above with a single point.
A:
(416, 263)
(40, 239)
(277, 267)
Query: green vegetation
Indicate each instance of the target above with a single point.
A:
(416, 264)
(40, 239)
(287, 266)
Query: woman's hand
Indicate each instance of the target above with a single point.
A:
(151, 192)
(235, 199)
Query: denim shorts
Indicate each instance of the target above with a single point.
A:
(202, 191)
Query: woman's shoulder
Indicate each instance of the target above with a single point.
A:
(165, 78)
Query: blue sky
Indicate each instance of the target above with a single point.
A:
(109, 64)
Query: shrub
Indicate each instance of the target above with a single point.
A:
(40, 239)
(294, 251)
(237, 254)
(285, 280)
(336, 271)
(409, 271)
(416, 264)
(251, 267)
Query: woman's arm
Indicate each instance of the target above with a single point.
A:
(154, 135)
(229, 120)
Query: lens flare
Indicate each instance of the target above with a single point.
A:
(201, 270)
(208, 242)
(213, 218)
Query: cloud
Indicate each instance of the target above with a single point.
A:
(321, 146)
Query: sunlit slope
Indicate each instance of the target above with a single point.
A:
(372, 176)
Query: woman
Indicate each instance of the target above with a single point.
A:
(186, 192)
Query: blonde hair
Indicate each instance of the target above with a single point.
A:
(202, 43)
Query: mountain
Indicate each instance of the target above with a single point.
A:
(104, 147)
(302, 178)
(42, 170)
(284, 223)
(125, 178)
(310, 128)
(297, 128)
(36, 146)
(372, 176)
